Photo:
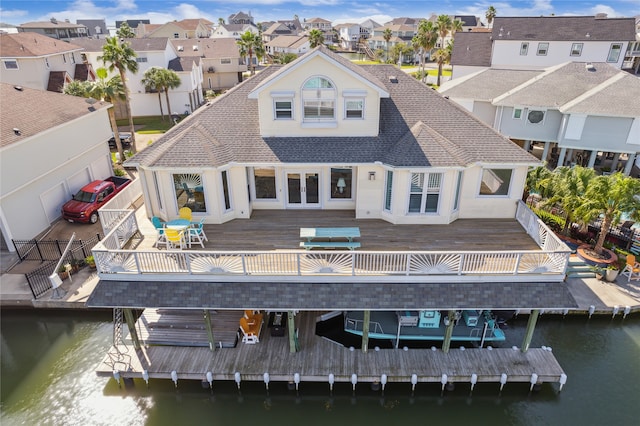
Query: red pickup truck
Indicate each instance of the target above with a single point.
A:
(83, 207)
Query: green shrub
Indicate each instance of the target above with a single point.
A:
(555, 222)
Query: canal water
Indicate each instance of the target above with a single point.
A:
(48, 378)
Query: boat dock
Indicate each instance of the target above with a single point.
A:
(319, 357)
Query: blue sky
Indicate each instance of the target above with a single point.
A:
(338, 11)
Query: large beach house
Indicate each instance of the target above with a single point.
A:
(430, 197)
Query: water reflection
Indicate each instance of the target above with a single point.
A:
(48, 362)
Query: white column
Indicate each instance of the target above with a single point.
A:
(545, 151)
(563, 153)
(629, 166)
(592, 159)
(527, 145)
(614, 163)
(570, 155)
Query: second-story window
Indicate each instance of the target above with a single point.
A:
(10, 64)
(176, 35)
(225, 61)
(576, 49)
(141, 59)
(318, 94)
(543, 48)
(283, 109)
(524, 48)
(354, 108)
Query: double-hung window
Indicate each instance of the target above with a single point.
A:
(576, 49)
(524, 48)
(543, 48)
(282, 105)
(424, 193)
(614, 52)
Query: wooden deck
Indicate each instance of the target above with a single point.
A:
(280, 230)
(318, 357)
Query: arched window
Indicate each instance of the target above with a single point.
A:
(319, 99)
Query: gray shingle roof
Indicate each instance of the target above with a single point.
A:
(51, 109)
(487, 84)
(25, 45)
(558, 85)
(619, 96)
(184, 63)
(228, 130)
(330, 296)
(209, 48)
(569, 28)
(472, 49)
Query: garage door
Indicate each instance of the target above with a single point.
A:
(52, 201)
(78, 180)
(101, 167)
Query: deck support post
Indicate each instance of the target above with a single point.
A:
(207, 324)
(365, 330)
(446, 344)
(531, 325)
(293, 338)
(131, 324)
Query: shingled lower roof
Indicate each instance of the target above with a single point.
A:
(228, 127)
(486, 85)
(277, 296)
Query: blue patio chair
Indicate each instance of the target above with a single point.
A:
(198, 229)
(159, 225)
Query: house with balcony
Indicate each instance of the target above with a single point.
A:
(322, 25)
(154, 52)
(425, 196)
(573, 113)
(280, 28)
(96, 28)
(349, 35)
(222, 65)
(60, 30)
(40, 62)
(51, 145)
(400, 33)
(542, 42)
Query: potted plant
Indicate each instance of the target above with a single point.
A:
(63, 273)
(76, 264)
(89, 260)
(612, 272)
(598, 271)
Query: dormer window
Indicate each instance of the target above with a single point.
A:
(319, 99)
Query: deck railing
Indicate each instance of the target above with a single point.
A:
(115, 262)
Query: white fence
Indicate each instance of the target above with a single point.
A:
(547, 264)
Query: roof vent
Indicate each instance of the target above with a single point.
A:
(601, 16)
(589, 66)
(18, 88)
(17, 131)
(195, 47)
(180, 48)
(393, 79)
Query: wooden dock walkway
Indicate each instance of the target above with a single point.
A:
(318, 357)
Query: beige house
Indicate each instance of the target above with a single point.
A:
(288, 44)
(222, 65)
(40, 62)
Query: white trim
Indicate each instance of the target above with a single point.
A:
(354, 93)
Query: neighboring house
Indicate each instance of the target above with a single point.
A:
(152, 52)
(222, 66)
(469, 22)
(50, 146)
(410, 22)
(233, 30)
(184, 29)
(40, 62)
(580, 112)
(288, 44)
(367, 27)
(132, 23)
(324, 133)
(280, 28)
(349, 35)
(241, 18)
(541, 42)
(61, 30)
(8, 28)
(399, 34)
(632, 55)
(322, 25)
(96, 28)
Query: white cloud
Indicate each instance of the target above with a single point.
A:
(11, 14)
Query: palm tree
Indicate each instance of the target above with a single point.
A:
(609, 197)
(151, 82)
(536, 179)
(122, 57)
(104, 90)
(490, 14)
(444, 25)
(566, 187)
(425, 40)
(386, 35)
(125, 31)
(249, 43)
(442, 56)
(168, 79)
(316, 38)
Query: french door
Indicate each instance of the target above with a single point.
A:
(303, 189)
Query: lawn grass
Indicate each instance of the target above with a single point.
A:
(152, 124)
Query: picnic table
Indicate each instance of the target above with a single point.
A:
(312, 235)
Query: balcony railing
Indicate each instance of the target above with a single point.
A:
(115, 262)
